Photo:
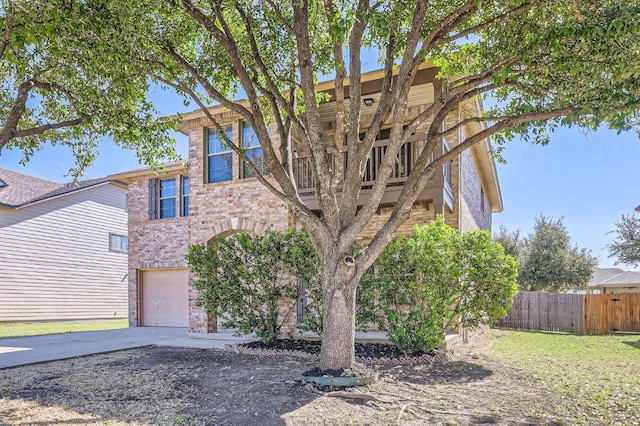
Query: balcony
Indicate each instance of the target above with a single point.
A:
(437, 191)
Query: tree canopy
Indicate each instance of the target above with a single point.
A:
(626, 244)
(546, 62)
(548, 260)
(60, 86)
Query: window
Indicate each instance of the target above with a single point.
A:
(185, 196)
(167, 198)
(119, 243)
(219, 156)
(254, 152)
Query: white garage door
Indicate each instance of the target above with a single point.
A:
(165, 298)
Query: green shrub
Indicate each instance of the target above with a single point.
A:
(429, 284)
(242, 277)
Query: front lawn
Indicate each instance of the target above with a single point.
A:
(598, 377)
(24, 329)
(503, 378)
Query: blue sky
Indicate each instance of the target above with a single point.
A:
(588, 180)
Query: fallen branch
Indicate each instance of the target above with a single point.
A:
(375, 405)
(404, 407)
(351, 395)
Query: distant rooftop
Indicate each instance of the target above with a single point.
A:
(18, 189)
(614, 277)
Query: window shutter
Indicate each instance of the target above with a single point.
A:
(153, 191)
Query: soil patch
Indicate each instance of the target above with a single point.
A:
(367, 353)
(368, 350)
(175, 386)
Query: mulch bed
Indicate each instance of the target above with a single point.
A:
(366, 353)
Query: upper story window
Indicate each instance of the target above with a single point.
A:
(167, 198)
(119, 243)
(185, 196)
(254, 152)
(219, 156)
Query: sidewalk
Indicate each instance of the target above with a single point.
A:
(35, 349)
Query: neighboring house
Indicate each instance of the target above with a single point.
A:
(175, 207)
(614, 280)
(63, 249)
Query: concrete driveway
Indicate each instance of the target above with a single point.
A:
(31, 350)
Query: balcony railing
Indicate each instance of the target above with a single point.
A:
(404, 163)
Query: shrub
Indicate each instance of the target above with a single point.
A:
(429, 284)
(242, 277)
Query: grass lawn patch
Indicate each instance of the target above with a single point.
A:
(24, 329)
(598, 377)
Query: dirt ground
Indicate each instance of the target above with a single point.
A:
(171, 386)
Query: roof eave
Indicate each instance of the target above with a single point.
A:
(128, 176)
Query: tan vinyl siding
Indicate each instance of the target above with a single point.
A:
(55, 261)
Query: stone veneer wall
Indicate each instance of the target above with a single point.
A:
(472, 214)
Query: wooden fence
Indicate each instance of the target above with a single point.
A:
(532, 310)
(574, 313)
(611, 313)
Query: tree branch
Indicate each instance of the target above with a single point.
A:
(280, 16)
(8, 28)
(417, 181)
(314, 134)
(274, 90)
(17, 110)
(485, 25)
(51, 126)
(205, 83)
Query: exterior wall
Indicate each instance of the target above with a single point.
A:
(55, 262)
(153, 243)
(225, 207)
(419, 216)
(618, 290)
(474, 211)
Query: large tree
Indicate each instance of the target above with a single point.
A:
(56, 87)
(545, 63)
(548, 260)
(626, 245)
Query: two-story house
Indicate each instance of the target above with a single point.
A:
(176, 207)
(63, 249)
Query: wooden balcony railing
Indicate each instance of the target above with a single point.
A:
(405, 160)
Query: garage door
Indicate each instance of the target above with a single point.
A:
(165, 297)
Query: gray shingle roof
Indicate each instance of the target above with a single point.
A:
(614, 277)
(21, 189)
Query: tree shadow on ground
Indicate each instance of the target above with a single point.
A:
(633, 344)
(495, 419)
(438, 373)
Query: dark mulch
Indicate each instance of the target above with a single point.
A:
(367, 350)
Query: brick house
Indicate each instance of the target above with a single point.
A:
(176, 207)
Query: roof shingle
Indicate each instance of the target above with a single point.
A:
(21, 189)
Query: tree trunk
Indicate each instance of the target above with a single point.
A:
(338, 316)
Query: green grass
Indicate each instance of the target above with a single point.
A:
(24, 329)
(597, 376)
